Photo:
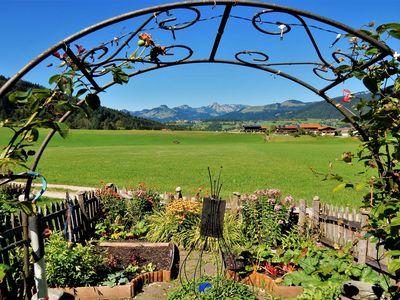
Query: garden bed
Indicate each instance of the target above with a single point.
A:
(263, 281)
(165, 256)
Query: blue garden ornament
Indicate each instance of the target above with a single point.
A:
(203, 286)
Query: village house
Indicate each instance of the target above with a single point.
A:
(310, 128)
(286, 129)
(307, 129)
(254, 128)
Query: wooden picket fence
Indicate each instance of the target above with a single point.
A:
(339, 226)
(75, 217)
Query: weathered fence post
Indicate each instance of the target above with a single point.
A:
(68, 218)
(236, 203)
(302, 215)
(39, 270)
(316, 212)
(362, 243)
(85, 219)
(340, 222)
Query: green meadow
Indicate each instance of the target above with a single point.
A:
(165, 160)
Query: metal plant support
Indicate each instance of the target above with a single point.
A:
(211, 233)
(94, 65)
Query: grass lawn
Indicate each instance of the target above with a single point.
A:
(165, 160)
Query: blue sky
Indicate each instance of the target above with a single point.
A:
(29, 27)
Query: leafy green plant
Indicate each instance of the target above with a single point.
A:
(71, 266)
(117, 278)
(266, 217)
(4, 269)
(323, 270)
(150, 267)
(220, 288)
(131, 269)
(377, 122)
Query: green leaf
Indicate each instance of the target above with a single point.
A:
(395, 222)
(27, 207)
(395, 34)
(62, 129)
(339, 187)
(32, 135)
(393, 253)
(20, 96)
(93, 101)
(371, 84)
(397, 86)
(382, 28)
(120, 76)
(359, 186)
(372, 51)
(394, 265)
(54, 78)
(3, 271)
(81, 92)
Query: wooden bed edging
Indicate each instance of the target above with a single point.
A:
(135, 286)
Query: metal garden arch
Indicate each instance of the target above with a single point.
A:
(162, 17)
(92, 64)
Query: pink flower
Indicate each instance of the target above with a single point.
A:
(288, 199)
(277, 207)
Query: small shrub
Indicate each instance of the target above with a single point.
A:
(70, 266)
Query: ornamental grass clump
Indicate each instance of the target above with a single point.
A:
(266, 216)
(178, 223)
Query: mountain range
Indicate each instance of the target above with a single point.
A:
(289, 109)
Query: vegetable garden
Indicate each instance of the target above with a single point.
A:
(261, 237)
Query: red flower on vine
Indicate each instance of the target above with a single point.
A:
(347, 95)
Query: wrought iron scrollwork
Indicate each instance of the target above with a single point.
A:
(262, 57)
(336, 56)
(165, 23)
(168, 53)
(323, 66)
(318, 71)
(284, 28)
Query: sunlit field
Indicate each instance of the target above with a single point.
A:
(165, 160)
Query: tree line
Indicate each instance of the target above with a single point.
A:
(102, 118)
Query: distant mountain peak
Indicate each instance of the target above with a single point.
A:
(289, 109)
(185, 112)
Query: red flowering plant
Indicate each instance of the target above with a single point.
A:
(144, 201)
(123, 214)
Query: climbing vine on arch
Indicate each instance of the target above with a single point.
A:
(48, 108)
(378, 119)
